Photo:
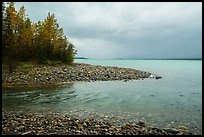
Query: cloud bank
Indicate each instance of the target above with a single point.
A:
(127, 30)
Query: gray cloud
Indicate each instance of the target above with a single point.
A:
(145, 30)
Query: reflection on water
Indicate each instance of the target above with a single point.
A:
(39, 98)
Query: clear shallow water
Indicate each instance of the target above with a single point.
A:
(176, 99)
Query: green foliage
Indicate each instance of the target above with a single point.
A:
(70, 53)
(41, 56)
(24, 40)
(25, 64)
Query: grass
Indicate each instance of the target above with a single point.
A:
(27, 64)
(54, 62)
(24, 65)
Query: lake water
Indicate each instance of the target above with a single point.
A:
(176, 99)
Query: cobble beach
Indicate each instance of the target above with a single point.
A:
(38, 76)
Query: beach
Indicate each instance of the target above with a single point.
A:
(45, 75)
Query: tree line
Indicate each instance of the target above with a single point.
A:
(24, 40)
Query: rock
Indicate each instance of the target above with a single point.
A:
(48, 78)
(65, 70)
(151, 76)
(182, 128)
(125, 80)
(158, 77)
(97, 126)
(85, 125)
(171, 130)
(27, 133)
(141, 123)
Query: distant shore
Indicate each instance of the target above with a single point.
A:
(45, 75)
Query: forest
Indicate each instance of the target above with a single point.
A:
(26, 41)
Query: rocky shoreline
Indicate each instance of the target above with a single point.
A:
(21, 122)
(59, 74)
(52, 123)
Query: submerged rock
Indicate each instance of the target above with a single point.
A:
(171, 130)
(158, 77)
(154, 76)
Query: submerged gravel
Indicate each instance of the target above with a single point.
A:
(53, 123)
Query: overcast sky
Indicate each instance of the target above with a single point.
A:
(127, 30)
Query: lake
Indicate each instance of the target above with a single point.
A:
(176, 99)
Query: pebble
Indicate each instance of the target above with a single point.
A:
(171, 130)
(181, 127)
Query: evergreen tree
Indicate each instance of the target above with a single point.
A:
(71, 54)
(25, 35)
(9, 37)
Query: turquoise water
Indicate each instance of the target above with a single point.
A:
(176, 99)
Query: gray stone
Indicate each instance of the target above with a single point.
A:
(171, 130)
